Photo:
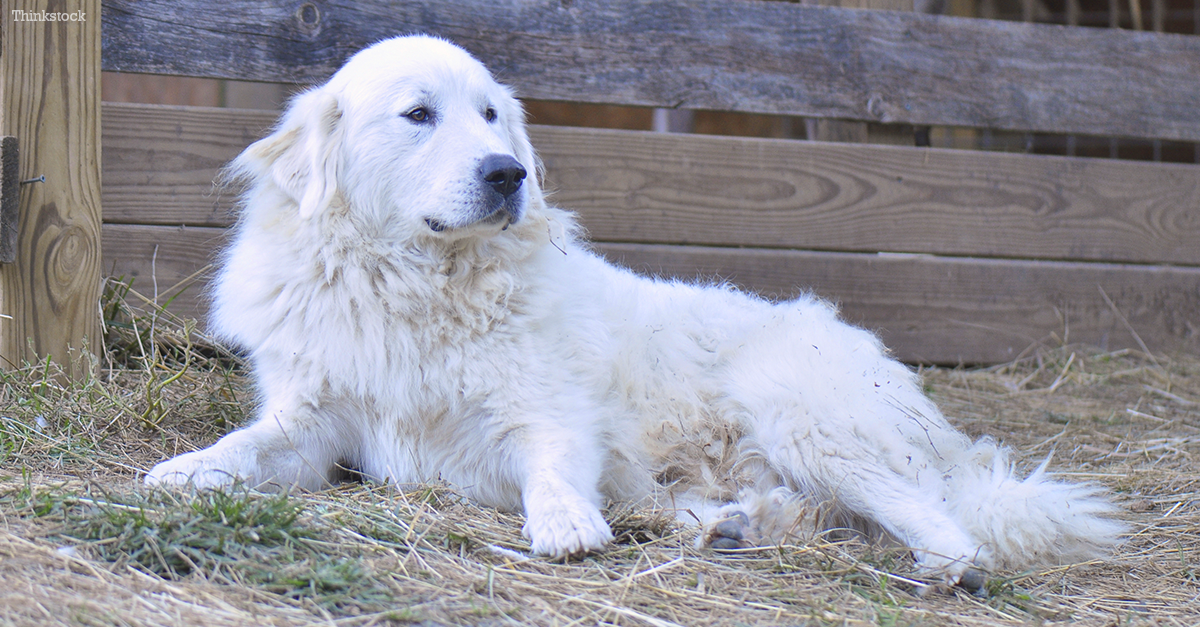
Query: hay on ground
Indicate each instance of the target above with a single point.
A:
(81, 543)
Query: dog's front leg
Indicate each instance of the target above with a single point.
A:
(560, 492)
(286, 447)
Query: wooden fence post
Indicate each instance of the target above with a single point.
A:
(50, 101)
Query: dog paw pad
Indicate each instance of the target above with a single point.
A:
(973, 580)
(730, 533)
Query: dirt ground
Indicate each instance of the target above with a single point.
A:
(81, 543)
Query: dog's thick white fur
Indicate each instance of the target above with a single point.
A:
(413, 309)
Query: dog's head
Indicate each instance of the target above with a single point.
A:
(413, 136)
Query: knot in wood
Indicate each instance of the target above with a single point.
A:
(309, 16)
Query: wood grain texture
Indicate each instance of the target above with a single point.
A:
(737, 55)
(859, 132)
(161, 162)
(948, 310)
(51, 103)
(673, 189)
(164, 264)
(927, 309)
(628, 186)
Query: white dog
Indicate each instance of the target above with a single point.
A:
(414, 310)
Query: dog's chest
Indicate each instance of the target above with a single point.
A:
(446, 417)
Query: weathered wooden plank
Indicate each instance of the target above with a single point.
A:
(50, 102)
(656, 188)
(861, 132)
(739, 55)
(928, 309)
(959, 310)
(160, 162)
(165, 264)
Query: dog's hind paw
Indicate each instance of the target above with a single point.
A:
(964, 572)
(973, 580)
(731, 532)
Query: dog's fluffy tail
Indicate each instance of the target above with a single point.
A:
(1036, 520)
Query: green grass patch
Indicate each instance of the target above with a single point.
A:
(234, 536)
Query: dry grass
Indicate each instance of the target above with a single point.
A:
(81, 543)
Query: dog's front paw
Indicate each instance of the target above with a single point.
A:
(200, 469)
(566, 526)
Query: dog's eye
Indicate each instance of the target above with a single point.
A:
(419, 115)
(490, 114)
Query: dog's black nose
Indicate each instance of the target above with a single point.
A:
(503, 173)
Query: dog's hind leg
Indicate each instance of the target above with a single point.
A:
(284, 448)
(858, 483)
(755, 519)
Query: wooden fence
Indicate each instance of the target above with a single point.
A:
(954, 256)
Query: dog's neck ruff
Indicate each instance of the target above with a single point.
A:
(445, 289)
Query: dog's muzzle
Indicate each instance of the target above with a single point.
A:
(501, 176)
(502, 173)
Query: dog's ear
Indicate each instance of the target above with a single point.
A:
(301, 156)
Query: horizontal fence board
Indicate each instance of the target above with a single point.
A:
(738, 55)
(927, 309)
(160, 162)
(173, 264)
(958, 310)
(677, 189)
